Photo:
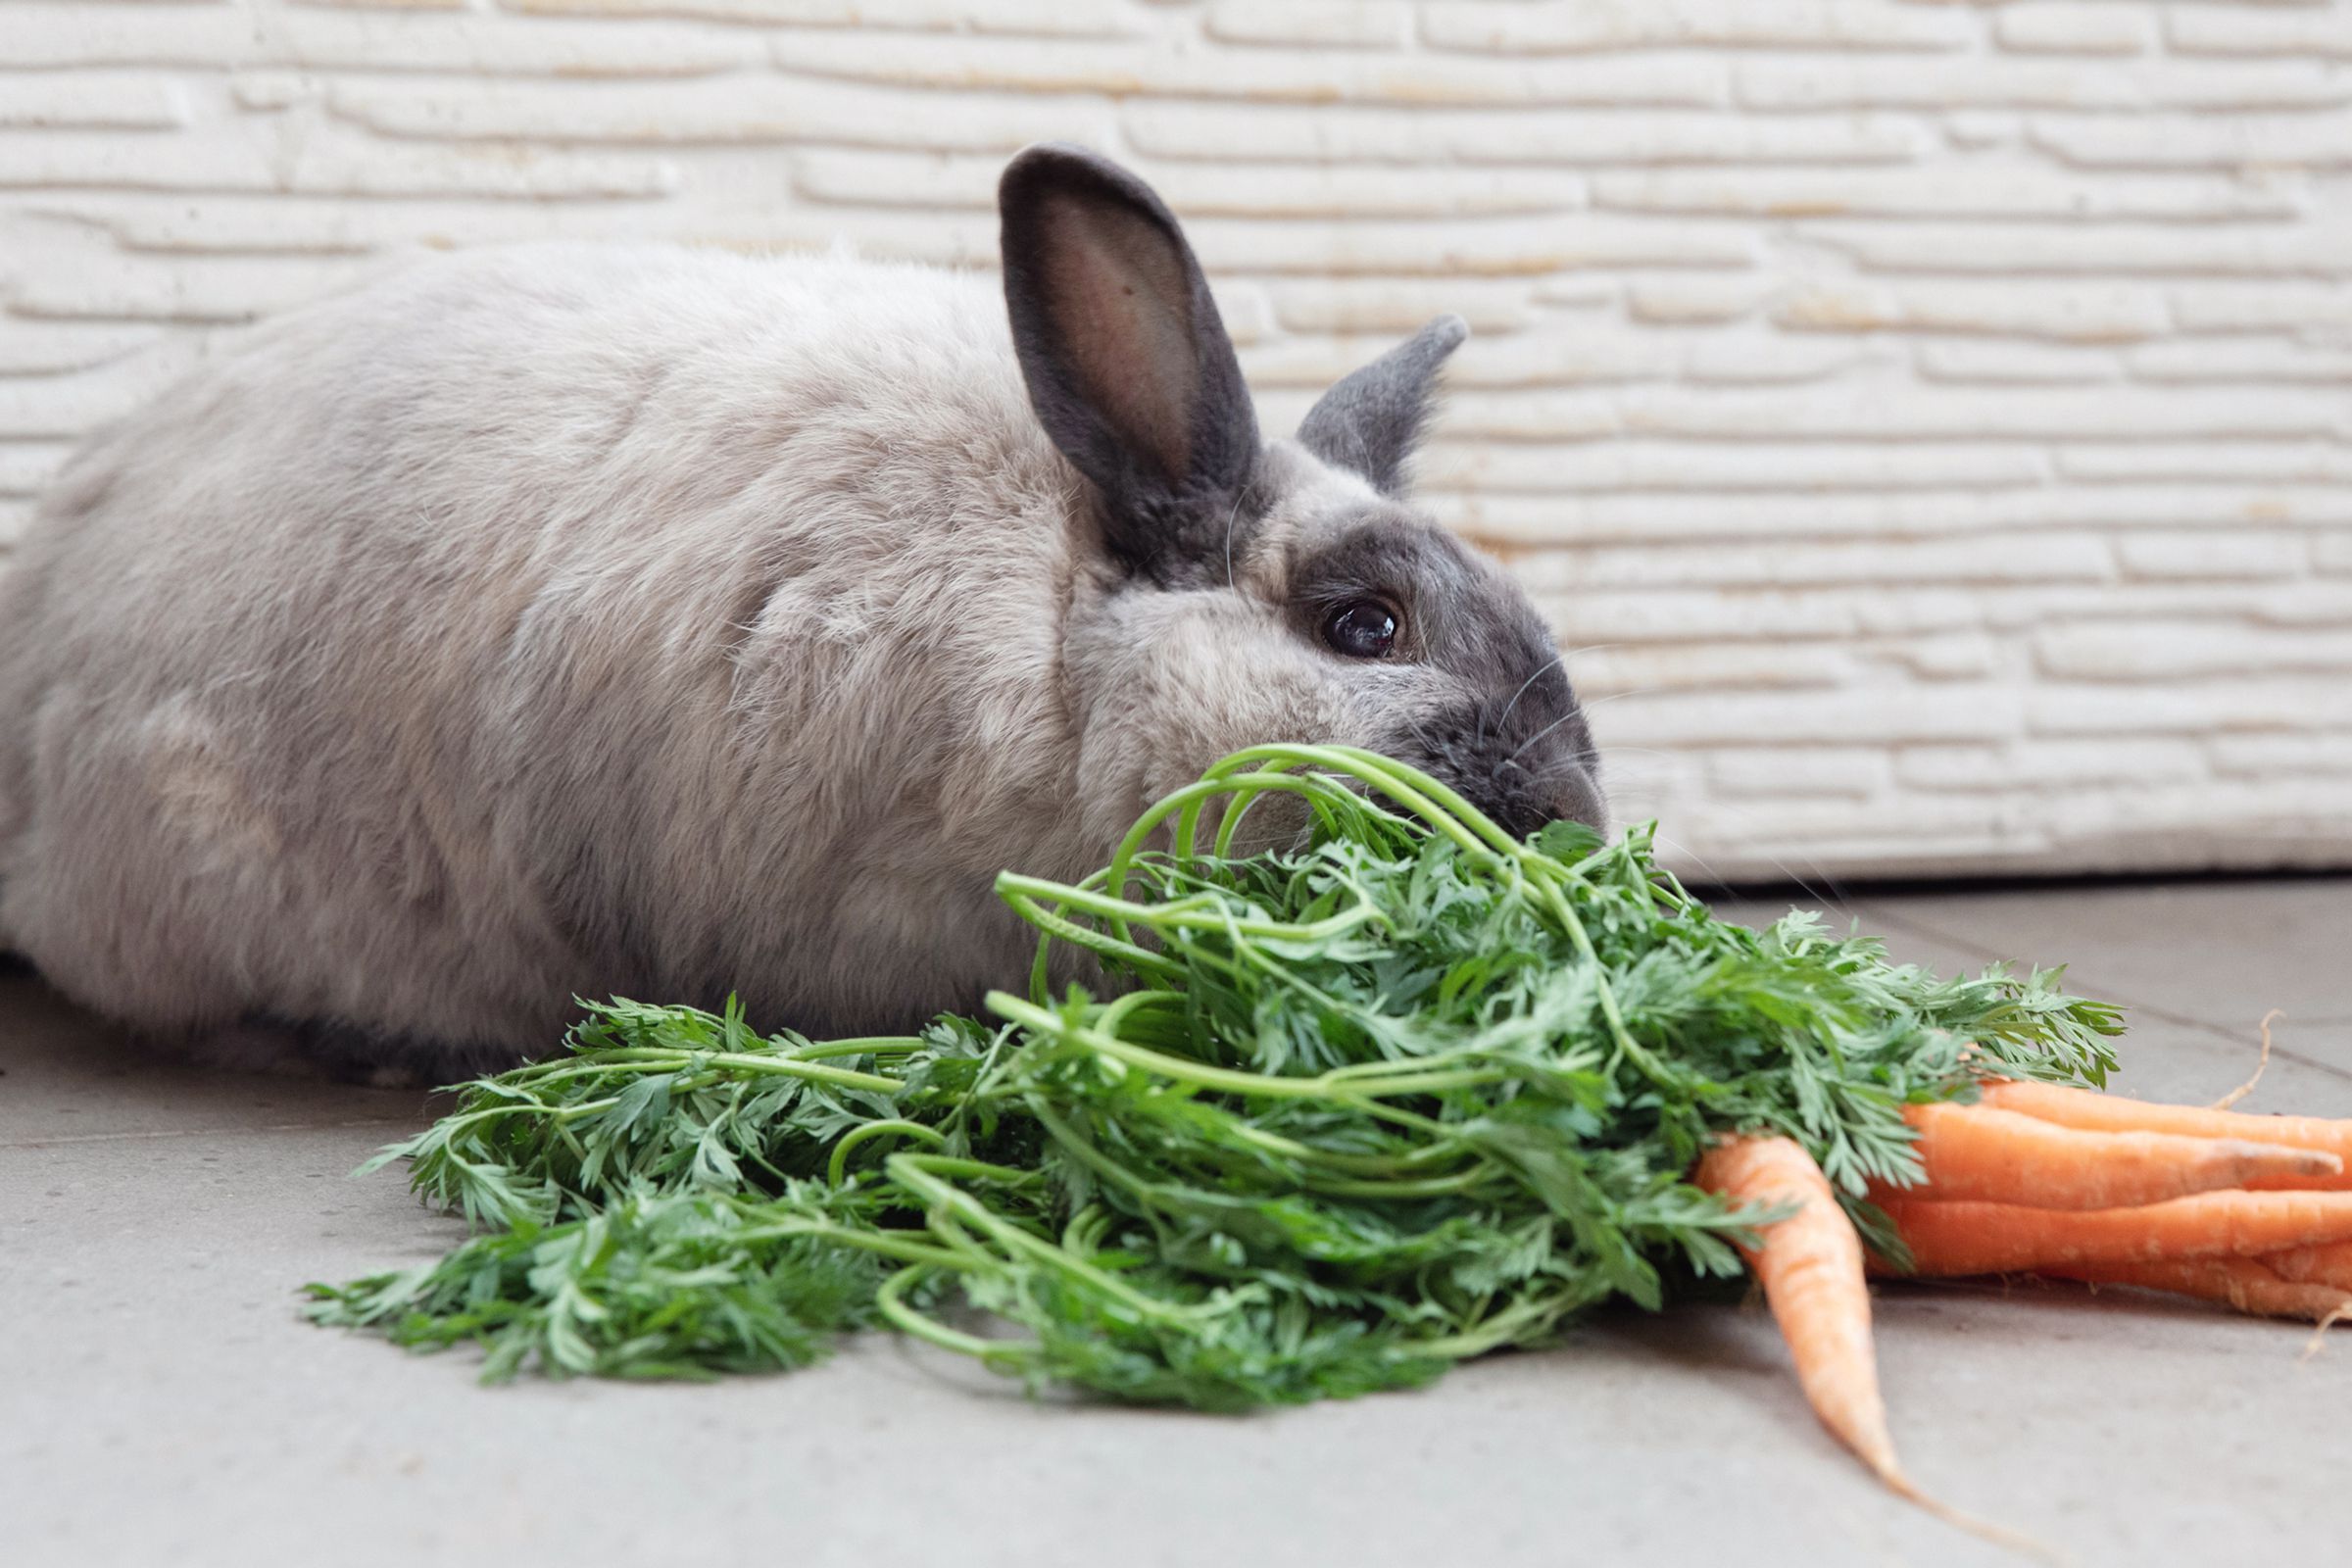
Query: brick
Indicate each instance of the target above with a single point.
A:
(1536, 30)
(1687, 300)
(1876, 717)
(67, 406)
(80, 102)
(1718, 359)
(2070, 313)
(1763, 465)
(1529, 415)
(1255, 75)
(2035, 559)
(323, 163)
(1393, 307)
(2269, 307)
(106, 34)
(1636, 516)
(2028, 608)
(2015, 364)
(50, 348)
(2270, 755)
(2313, 248)
(1579, 292)
(2316, 703)
(925, 179)
(1928, 192)
(1789, 839)
(1065, 19)
(2072, 29)
(1940, 83)
(2258, 359)
(1689, 615)
(1524, 361)
(2273, 465)
(1979, 128)
(2298, 604)
(1318, 24)
(1579, 358)
(194, 290)
(2238, 554)
(2235, 30)
(1862, 412)
(2132, 652)
(1964, 656)
(2043, 764)
(1618, 671)
(746, 110)
(2332, 552)
(2248, 823)
(1546, 137)
(1245, 311)
(1838, 771)
(2206, 141)
(1473, 249)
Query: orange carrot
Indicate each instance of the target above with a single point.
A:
(2244, 1283)
(1810, 1266)
(1995, 1238)
(1988, 1154)
(2092, 1111)
(2330, 1263)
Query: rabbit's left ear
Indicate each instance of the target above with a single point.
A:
(1371, 421)
(1128, 363)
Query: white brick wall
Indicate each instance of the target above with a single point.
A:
(1927, 422)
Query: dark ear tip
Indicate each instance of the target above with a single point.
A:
(1066, 165)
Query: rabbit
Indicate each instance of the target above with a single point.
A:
(571, 620)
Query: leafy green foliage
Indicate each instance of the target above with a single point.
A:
(1351, 1112)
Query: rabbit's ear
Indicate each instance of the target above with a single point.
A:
(1371, 421)
(1128, 363)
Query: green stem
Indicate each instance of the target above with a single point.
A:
(889, 1301)
(743, 1062)
(838, 1166)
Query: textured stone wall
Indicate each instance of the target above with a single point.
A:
(1926, 422)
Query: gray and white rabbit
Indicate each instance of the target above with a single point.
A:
(640, 620)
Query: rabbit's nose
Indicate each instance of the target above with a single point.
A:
(1578, 798)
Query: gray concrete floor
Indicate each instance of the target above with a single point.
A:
(160, 1402)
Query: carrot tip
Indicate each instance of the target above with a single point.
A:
(1983, 1530)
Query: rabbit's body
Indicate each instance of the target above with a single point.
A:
(258, 708)
(578, 620)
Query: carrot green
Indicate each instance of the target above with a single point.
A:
(1331, 1119)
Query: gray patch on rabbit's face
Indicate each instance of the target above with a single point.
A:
(1476, 691)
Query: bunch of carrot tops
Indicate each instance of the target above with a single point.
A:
(1331, 1118)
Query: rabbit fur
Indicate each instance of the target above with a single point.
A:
(583, 620)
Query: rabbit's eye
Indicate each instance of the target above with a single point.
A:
(1364, 628)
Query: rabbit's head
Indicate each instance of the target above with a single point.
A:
(1242, 591)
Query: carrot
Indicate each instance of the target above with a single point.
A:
(1965, 1238)
(2330, 1263)
(2092, 1112)
(1985, 1153)
(2247, 1284)
(1810, 1266)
